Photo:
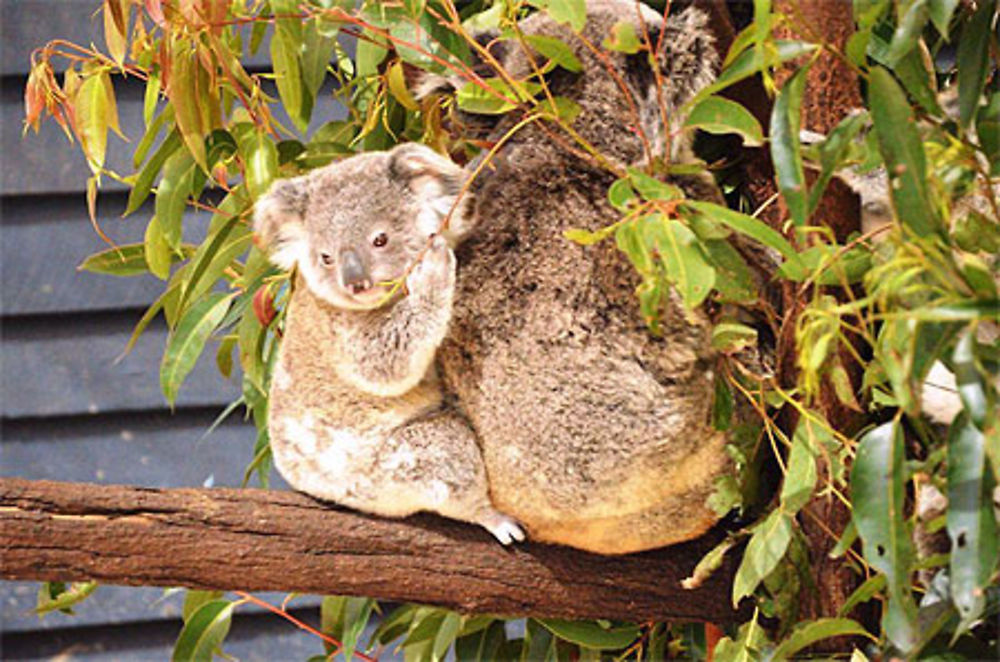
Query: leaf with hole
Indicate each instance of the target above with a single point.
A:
(878, 494)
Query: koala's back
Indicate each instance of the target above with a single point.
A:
(595, 433)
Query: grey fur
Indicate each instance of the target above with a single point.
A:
(594, 433)
(356, 410)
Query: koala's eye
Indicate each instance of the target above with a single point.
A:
(380, 240)
(326, 259)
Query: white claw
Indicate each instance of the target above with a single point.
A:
(505, 529)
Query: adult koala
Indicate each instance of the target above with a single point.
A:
(595, 433)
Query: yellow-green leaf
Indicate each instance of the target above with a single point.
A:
(188, 340)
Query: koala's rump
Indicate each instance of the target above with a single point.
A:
(595, 434)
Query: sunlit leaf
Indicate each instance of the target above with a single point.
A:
(718, 115)
(344, 618)
(556, 50)
(571, 12)
(908, 30)
(623, 38)
(188, 340)
(57, 596)
(203, 632)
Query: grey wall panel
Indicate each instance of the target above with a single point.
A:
(44, 238)
(148, 449)
(66, 366)
(30, 24)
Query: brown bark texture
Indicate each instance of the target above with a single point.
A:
(258, 540)
(831, 92)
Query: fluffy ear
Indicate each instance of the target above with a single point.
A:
(279, 221)
(436, 182)
(689, 60)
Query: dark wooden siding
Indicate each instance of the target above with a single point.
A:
(70, 409)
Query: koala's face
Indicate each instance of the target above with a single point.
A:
(355, 227)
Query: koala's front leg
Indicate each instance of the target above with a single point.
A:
(435, 464)
(390, 351)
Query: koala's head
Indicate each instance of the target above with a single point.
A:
(355, 226)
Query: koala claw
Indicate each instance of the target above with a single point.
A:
(436, 271)
(504, 529)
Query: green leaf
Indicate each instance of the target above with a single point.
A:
(621, 194)
(708, 564)
(718, 115)
(446, 634)
(193, 600)
(345, 618)
(172, 195)
(556, 50)
(651, 188)
(765, 550)
(786, 151)
(877, 493)
(750, 62)
(800, 470)
(591, 635)
(188, 340)
(941, 12)
(687, 267)
(95, 112)
(156, 251)
(123, 260)
(973, 61)
(903, 153)
(746, 225)
(149, 137)
(571, 12)
(971, 388)
(908, 31)
(734, 280)
(188, 92)
(918, 79)
(261, 158)
(213, 257)
(807, 634)
(971, 524)
(474, 99)
(622, 38)
(481, 646)
(832, 153)
(144, 180)
(55, 596)
(732, 337)
(988, 128)
(288, 77)
(203, 632)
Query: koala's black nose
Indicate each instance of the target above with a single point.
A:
(352, 272)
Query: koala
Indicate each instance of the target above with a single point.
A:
(357, 415)
(595, 433)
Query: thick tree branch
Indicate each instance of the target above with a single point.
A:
(270, 540)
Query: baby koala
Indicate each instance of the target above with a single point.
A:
(357, 414)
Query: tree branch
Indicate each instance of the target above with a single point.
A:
(272, 540)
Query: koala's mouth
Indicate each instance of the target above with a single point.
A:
(367, 296)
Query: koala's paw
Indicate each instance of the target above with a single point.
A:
(435, 273)
(505, 529)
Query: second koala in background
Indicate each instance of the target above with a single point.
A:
(356, 410)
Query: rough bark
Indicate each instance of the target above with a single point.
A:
(831, 92)
(270, 540)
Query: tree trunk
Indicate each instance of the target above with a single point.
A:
(283, 541)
